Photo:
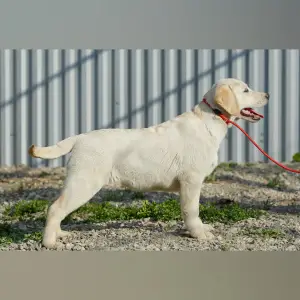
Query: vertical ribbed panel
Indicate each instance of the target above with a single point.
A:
(48, 95)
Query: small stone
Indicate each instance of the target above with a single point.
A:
(69, 246)
(59, 246)
(291, 248)
(172, 223)
(78, 248)
(233, 230)
(249, 241)
(250, 247)
(22, 247)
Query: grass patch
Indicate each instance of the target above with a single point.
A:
(276, 183)
(231, 213)
(10, 234)
(212, 177)
(226, 166)
(112, 196)
(264, 232)
(44, 174)
(296, 157)
(102, 212)
(24, 209)
(138, 195)
(267, 204)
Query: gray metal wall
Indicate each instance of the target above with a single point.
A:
(47, 95)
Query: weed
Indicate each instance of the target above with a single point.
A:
(228, 214)
(44, 174)
(102, 212)
(211, 177)
(276, 182)
(112, 196)
(264, 232)
(138, 195)
(267, 204)
(34, 236)
(249, 164)
(226, 166)
(10, 234)
(296, 157)
(25, 209)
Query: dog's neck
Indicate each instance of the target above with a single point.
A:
(216, 127)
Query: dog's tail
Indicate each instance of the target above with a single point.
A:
(61, 148)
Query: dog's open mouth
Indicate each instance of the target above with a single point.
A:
(250, 114)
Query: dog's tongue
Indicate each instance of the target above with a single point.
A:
(253, 112)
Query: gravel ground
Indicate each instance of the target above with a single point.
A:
(260, 185)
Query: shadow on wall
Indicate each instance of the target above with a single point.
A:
(94, 58)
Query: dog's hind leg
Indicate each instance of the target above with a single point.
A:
(78, 190)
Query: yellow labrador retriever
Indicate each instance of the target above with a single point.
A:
(175, 155)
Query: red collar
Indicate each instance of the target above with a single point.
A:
(217, 112)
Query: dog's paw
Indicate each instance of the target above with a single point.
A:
(201, 234)
(49, 244)
(49, 239)
(208, 236)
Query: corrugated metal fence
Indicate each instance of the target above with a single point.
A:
(47, 95)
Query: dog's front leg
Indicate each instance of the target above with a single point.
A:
(189, 201)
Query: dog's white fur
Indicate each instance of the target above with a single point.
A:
(175, 155)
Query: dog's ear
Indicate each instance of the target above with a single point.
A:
(225, 99)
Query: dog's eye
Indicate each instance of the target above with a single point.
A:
(246, 90)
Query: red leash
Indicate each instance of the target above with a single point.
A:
(227, 121)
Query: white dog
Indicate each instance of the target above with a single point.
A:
(175, 155)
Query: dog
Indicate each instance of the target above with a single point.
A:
(174, 156)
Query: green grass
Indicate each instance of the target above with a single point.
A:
(33, 210)
(138, 195)
(276, 183)
(10, 234)
(102, 212)
(44, 174)
(249, 164)
(264, 232)
(211, 178)
(24, 209)
(267, 204)
(226, 166)
(296, 157)
(112, 196)
(231, 213)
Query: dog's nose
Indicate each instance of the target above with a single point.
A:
(267, 96)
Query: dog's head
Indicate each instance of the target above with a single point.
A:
(234, 98)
